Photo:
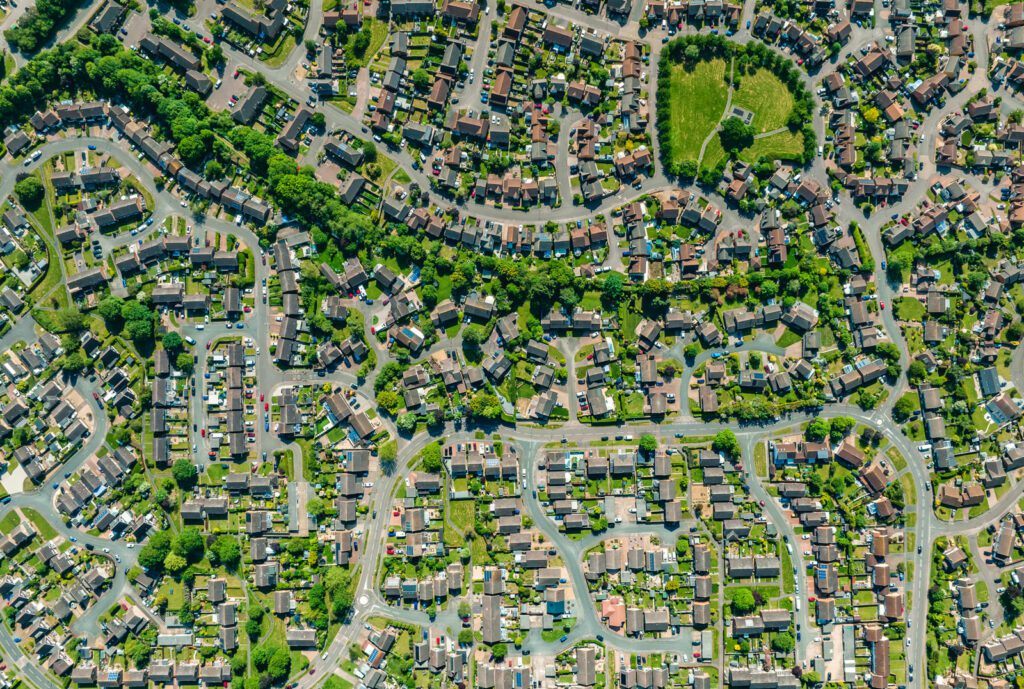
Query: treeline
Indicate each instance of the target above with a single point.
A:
(40, 23)
(688, 51)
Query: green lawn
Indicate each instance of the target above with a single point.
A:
(908, 309)
(784, 146)
(461, 513)
(39, 521)
(335, 682)
(767, 97)
(9, 522)
(787, 338)
(713, 153)
(698, 98)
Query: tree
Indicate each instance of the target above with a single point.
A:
(485, 405)
(75, 362)
(183, 362)
(190, 544)
(783, 642)
(406, 422)
(277, 663)
(317, 508)
(1012, 600)
(20, 259)
(172, 341)
(390, 400)
(30, 192)
(137, 651)
(612, 289)
(338, 586)
(110, 307)
(184, 473)
(691, 351)
(839, 427)
(422, 79)
(431, 457)
(473, 335)
(817, 429)
(648, 444)
(215, 54)
(916, 372)
(370, 151)
(175, 563)
(139, 320)
(810, 678)
(156, 550)
(742, 601)
(736, 135)
(361, 42)
(465, 637)
(192, 150)
(498, 652)
(903, 408)
(69, 320)
(725, 441)
(226, 551)
(465, 610)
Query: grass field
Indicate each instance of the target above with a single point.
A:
(461, 513)
(768, 98)
(713, 153)
(784, 145)
(698, 101)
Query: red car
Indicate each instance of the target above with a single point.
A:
(96, 396)
(202, 433)
(235, 76)
(261, 397)
(266, 406)
(882, 304)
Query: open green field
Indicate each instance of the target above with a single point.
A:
(698, 94)
(698, 98)
(768, 98)
(713, 153)
(785, 145)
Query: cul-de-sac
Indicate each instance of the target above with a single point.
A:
(512, 344)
